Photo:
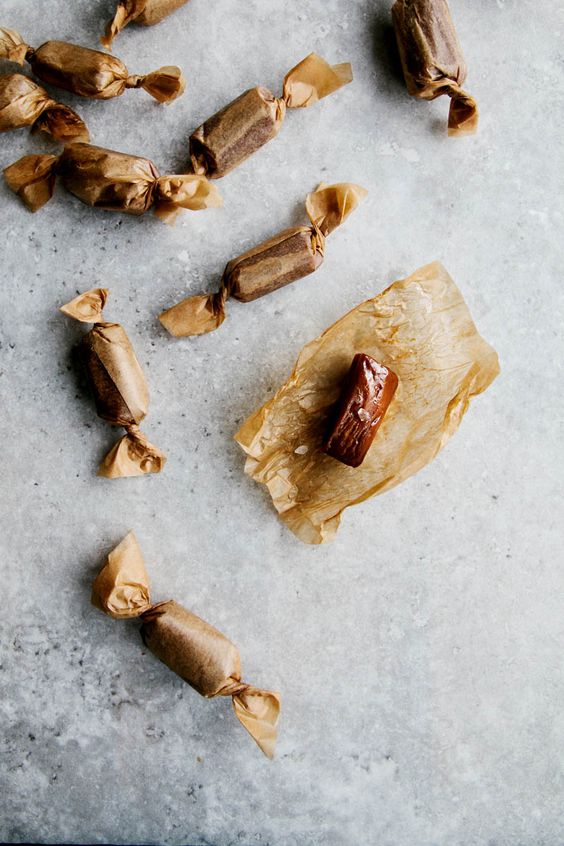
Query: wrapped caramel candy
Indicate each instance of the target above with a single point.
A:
(89, 73)
(144, 12)
(193, 649)
(290, 255)
(109, 180)
(25, 103)
(118, 386)
(421, 330)
(432, 59)
(241, 128)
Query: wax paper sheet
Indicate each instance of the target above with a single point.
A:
(420, 328)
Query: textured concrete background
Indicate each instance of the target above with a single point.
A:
(420, 655)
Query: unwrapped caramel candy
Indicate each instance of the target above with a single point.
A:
(420, 329)
(144, 12)
(106, 179)
(290, 255)
(432, 59)
(194, 650)
(25, 103)
(236, 132)
(367, 392)
(89, 73)
(118, 386)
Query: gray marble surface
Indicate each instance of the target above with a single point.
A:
(419, 655)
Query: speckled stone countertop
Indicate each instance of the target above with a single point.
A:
(420, 654)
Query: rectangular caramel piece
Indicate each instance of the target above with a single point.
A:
(367, 392)
(429, 48)
(288, 256)
(229, 137)
(190, 647)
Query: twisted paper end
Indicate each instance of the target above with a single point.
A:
(62, 123)
(463, 112)
(126, 12)
(312, 79)
(165, 84)
(330, 205)
(87, 307)
(12, 46)
(185, 191)
(195, 315)
(258, 712)
(133, 455)
(32, 178)
(121, 588)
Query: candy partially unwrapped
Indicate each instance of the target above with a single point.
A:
(421, 330)
(118, 386)
(25, 103)
(237, 131)
(144, 12)
(89, 73)
(194, 650)
(106, 179)
(432, 59)
(290, 255)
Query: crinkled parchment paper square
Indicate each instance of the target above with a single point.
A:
(421, 328)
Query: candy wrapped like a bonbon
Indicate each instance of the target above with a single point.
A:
(86, 72)
(193, 649)
(284, 258)
(118, 387)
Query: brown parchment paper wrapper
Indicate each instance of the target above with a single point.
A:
(144, 12)
(86, 72)
(25, 103)
(107, 179)
(118, 386)
(420, 328)
(432, 59)
(229, 137)
(194, 650)
(290, 255)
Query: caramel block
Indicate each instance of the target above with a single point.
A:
(432, 59)
(191, 648)
(229, 137)
(81, 70)
(368, 390)
(106, 350)
(288, 256)
(107, 179)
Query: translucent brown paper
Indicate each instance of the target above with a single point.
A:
(432, 59)
(106, 179)
(118, 386)
(290, 255)
(144, 12)
(121, 588)
(194, 650)
(229, 137)
(420, 328)
(25, 103)
(88, 73)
